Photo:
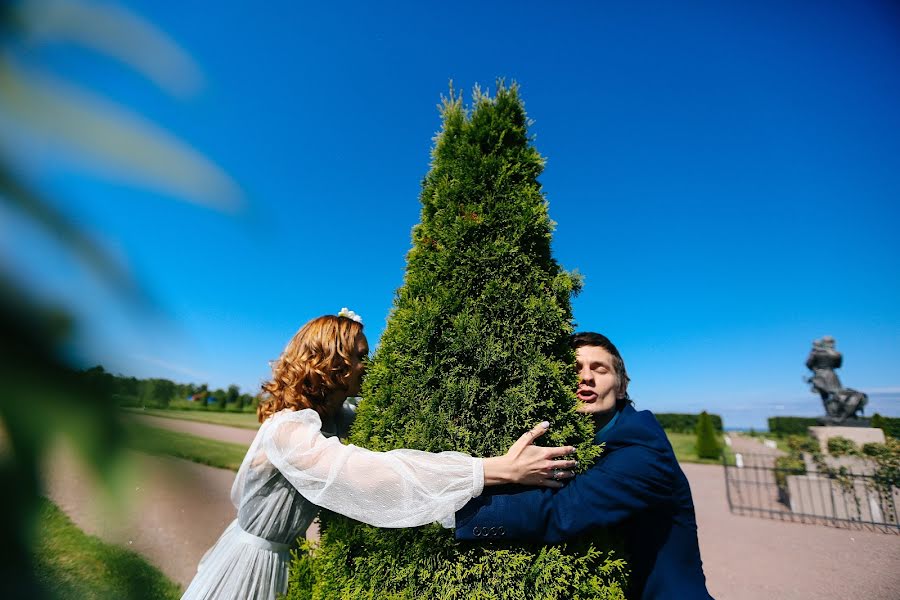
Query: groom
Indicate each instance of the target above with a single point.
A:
(636, 487)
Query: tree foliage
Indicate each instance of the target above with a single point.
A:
(707, 443)
(685, 422)
(890, 425)
(791, 425)
(475, 352)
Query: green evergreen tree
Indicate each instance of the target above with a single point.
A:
(475, 353)
(232, 395)
(707, 444)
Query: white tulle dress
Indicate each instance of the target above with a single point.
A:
(294, 467)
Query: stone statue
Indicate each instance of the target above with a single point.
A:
(840, 403)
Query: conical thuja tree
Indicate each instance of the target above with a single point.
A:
(707, 444)
(475, 353)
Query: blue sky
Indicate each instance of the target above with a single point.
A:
(724, 175)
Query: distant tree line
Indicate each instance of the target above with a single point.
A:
(686, 423)
(163, 393)
(785, 426)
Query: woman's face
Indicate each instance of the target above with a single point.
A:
(358, 361)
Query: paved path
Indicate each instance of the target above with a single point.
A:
(178, 509)
(750, 557)
(749, 445)
(174, 509)
(234, 435)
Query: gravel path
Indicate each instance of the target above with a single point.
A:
(177, 510)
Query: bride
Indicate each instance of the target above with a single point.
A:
(297, 465)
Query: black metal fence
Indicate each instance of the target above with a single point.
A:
(846, 492)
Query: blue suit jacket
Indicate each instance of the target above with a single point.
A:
(636, 487)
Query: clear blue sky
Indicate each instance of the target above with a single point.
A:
(725, 176)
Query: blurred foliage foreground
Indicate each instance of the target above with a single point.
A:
(42, 395)
(41, 398)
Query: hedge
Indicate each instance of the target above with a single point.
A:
(684, 422)
(890, 425)
(791, 425)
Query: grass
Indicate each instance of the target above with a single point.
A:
(232, 419)
(154, 440)
(74, 565)
(214, 453)
(684, 445)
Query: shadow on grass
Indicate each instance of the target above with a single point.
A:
(71, 564)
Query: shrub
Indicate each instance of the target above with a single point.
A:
(685, 423)
(841, 446)
(875, 450)
(791, 425)
(791, 464)
(475, 352)
(887, 457)
(890, 425)
(707, 444)
(798, 444)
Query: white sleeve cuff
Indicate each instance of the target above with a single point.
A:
(477, 477)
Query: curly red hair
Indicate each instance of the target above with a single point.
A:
(315, 364)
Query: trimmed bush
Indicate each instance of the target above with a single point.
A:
(684, 422)
(799, 444)
(889, 425)
(707, 443)
(791, 425)
(841, 446)
(475, 352)
(791, 464)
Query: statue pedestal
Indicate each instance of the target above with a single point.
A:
(860, 435)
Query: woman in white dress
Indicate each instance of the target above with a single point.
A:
(297, 464)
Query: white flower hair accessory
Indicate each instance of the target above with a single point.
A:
(346, 312)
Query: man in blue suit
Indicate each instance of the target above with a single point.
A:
(636, 487)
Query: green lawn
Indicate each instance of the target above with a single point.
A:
(683, 444)
(242, 420)
(74, 565)
(154, 440)
(229, 456)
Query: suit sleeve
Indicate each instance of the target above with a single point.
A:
(627, 482)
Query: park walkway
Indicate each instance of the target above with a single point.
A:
(177, 509)
(223, 433)
(174, 510)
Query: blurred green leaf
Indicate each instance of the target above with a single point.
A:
(29, 202)
(114, 31)
(43, 397)
(122, 142)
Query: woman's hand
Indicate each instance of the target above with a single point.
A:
(528, 464)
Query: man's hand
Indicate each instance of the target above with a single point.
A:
(527, 464)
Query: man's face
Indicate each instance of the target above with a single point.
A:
(597, 389)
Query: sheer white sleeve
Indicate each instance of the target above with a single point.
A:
(400, 488)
